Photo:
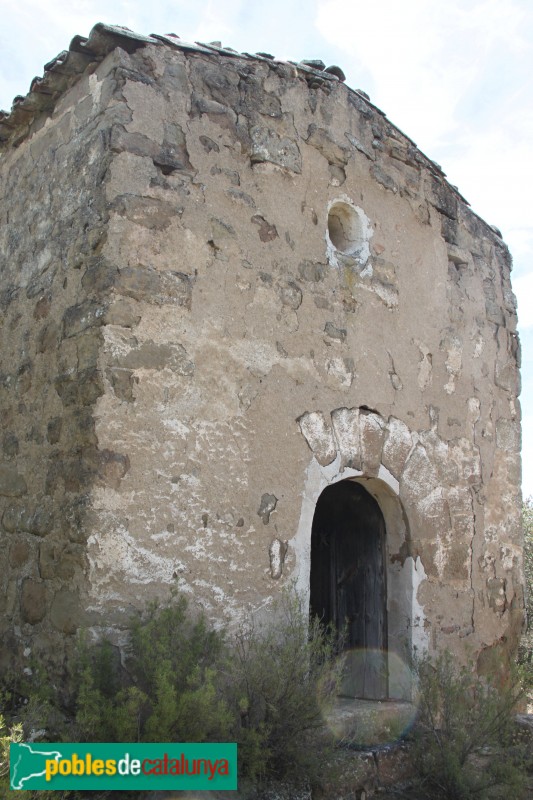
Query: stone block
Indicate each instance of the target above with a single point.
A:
(372, 433)
(384, 178)
(59, 560)
(396, 447)
(267, 506)
(27, 519)
(345, 423)
(267, 145)
(65, 613)
(419, 477)
(48, 337)
(267, 232)
(88, 346)
(508, 435)
(19, 553)
(10, 445)
(33, 601)
(319, 436)
(12, 484)
(79, 388)
(335, 333)
(290, 295)
(112, 467)
(149, 212)
(82, 316)
(53, 430)
(153, 287)
(123, 312)
(122, 382)
(312, 271)
(319, 138)
(257, 100)
(150, 355)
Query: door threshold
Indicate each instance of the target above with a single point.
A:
(367, 724)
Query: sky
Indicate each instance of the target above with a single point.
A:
(454, 76)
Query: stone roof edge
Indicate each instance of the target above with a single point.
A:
(66, 68)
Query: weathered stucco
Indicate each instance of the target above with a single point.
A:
(190, 355)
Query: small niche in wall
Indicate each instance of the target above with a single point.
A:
(348, 232)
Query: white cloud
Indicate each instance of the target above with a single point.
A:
(423, 58)
(496, 178)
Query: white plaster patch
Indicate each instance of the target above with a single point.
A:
(177, 426)
(511, 555)
(479, 344)
(431, 505)
(276, 553)
(259, 357)
(338, 373)
(148, 109)
(440, 556)
(255, 355)
(163, 536)
(33, 267)
(474, 412)
(389, 479)
(95, 88)
(419, 477)
(108, 499)
(385, 293)
(454, 364)
(420, 636)
(218, 593)
(425, 367)
(116, 555)
(468, 459)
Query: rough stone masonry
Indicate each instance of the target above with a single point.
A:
(227, 283)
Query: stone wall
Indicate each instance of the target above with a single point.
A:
(230, 282)
(53, 229)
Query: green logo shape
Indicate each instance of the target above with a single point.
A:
(122, 766)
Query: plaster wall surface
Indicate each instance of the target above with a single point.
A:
(188, 359)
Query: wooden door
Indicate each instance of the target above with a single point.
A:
(348, 582)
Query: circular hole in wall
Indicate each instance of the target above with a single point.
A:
(344, 228)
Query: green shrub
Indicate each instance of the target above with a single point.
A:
(182, 681)
(168, 689)
(464, 744)
(15, 734)
(7, 735)
(284, 679)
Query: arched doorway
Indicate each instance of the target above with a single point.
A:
(348, 582)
